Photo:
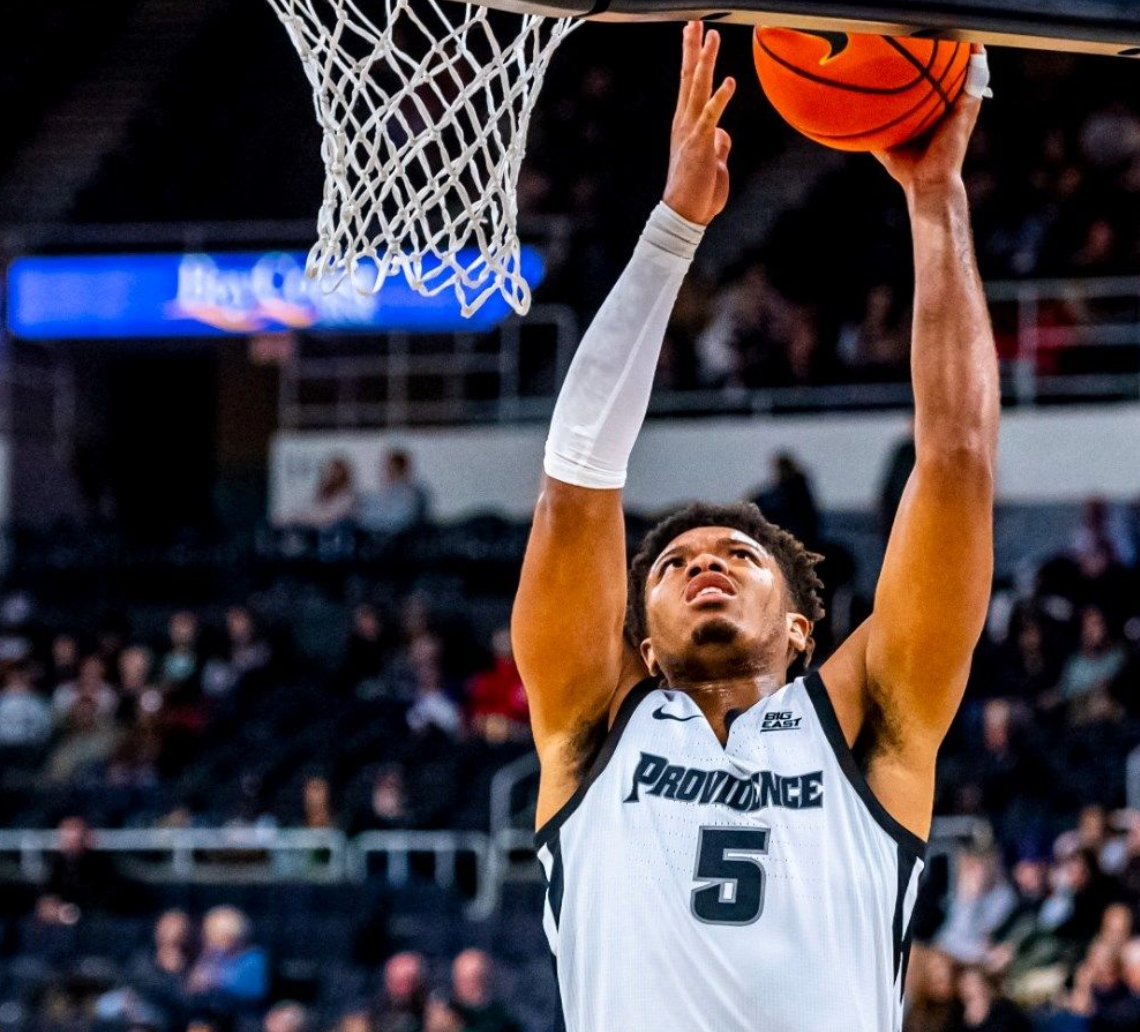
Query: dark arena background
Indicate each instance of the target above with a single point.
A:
(264, 753)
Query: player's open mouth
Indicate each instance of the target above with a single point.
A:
(709, 587)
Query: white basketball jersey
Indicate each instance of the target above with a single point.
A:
(753, 887)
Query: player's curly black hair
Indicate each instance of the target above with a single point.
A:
(797, 564)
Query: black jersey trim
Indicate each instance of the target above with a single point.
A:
(628, 707)
(557, 886)
(902, 933)
(828, 719)
(559, 1009)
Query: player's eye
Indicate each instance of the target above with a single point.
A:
(742, 553)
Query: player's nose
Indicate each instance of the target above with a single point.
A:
(705, 564)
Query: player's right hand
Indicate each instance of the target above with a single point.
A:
(935, 161)
(697, 188)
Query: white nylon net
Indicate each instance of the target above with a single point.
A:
(424, 106)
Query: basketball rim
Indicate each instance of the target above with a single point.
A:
(1108, 27)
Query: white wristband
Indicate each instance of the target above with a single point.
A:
(606, 394)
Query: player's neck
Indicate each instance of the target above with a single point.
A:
(723, 699)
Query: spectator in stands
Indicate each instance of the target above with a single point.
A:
(1024, 945)
(63, 663)
(317, 803)
(432, 710)
(402, 502)
(931, 992)
(1001, 768)
(80, 881)
(1108, 989)
(210, 1021)
(443, 1014)
(879, 344)
(1074, 1009)
(983, 1007)
(1091, 670)
(25, 717)
(367, 649)
(335, 501)
(1124, 1014)
(1028, 663)
(286, 1016)
(496, 699)
(158, 974)
(17, 612)
(1080, 894)
(1130, 868)
(386, 806)
(1103, 527)
(89, 738)
(405, 994)
(231, 974)
(1117, 924)
(789, 501)
(1093, 832)
(153, 986)
(472, 978)
(181, 665)
(981, 901)
(247, 655)
(89, 686)
(357, 1020)
(139, 694)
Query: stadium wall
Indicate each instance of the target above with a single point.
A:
(1064, 455)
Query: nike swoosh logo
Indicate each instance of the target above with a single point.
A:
(660, 714)
(838, 41)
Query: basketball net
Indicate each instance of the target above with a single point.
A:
(424, 106)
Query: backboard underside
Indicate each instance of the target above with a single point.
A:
(1086, 26)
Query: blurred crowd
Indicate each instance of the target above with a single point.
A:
(824, 297)
(1045, 940)
(214, 975)
(219, 719)
(1039, 925)
(178, 729)
(821, 296)
(401, 503)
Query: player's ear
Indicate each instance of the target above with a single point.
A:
(799, 635)
(648, 658)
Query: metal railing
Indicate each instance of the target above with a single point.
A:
(446, 850)
(453, 860)
(256, 854)
(1052, 318)
(189, 854)
(1039, 322)
(468, 378)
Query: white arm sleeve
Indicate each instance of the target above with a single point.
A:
(606, 394)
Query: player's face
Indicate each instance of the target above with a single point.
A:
(717, 607)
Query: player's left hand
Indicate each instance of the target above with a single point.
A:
(697, 188)
(935, 161)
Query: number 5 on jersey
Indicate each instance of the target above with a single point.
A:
(730, 876)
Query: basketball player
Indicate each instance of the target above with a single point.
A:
(725, 850)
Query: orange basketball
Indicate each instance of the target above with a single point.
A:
(856, 92)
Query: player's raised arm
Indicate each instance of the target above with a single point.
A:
(934, 589)
(570, 608)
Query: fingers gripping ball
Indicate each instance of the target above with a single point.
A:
(856, 92)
